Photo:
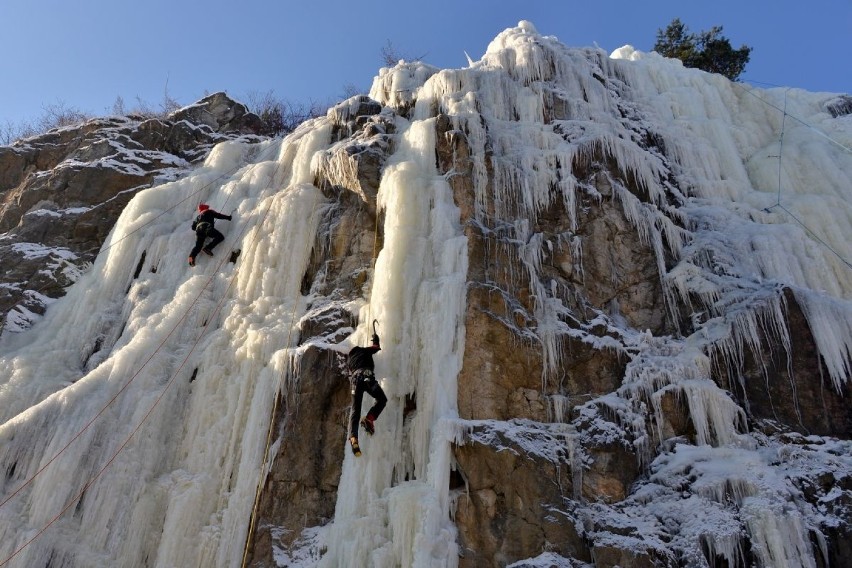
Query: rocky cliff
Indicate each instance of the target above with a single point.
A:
(645, 364)
(61, 192)
(586, 372)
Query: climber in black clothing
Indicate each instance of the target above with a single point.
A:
(203, 227)
(360, 364)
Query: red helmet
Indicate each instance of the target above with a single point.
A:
(202, 207)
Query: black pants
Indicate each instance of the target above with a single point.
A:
(215, 238)
(365, 383)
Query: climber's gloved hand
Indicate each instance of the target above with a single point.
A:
(375, 339)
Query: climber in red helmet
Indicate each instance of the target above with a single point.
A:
(203, 227)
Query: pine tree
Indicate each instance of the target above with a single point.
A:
(708, 50)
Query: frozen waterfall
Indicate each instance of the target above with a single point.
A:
(115, 455)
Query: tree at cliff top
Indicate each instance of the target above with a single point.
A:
(708, 50)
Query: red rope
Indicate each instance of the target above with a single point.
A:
(147, 415)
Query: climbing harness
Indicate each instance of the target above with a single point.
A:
(202, 228)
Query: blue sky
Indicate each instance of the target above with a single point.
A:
(83, 54)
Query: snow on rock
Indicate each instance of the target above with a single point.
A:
(65, 188)
(583, 248)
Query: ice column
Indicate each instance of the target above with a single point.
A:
(393, 502)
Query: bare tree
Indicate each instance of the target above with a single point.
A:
(350, 90)
(143, 109)
(57, 115)
(169, 104)
(118, 107)
(391, 55)
(9, 132)
(281, 116)
(54, 115)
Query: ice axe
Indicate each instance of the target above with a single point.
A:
(375, 333)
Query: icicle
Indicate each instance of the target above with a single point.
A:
(779, 539)
(831, 324)
(728, 546)
(558, 408)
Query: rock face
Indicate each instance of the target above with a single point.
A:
(598, 393)
(61, 192)
(305, 495)
(613, 432)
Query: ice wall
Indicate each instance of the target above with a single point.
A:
(752, 217)
(159, 404)
(392, 507)
(729, 214)
(135, 414)
(133, 418)
(768, 175)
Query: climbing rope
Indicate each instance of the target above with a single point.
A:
(781, 144)
(815, 237)
(780, 164)
(263, 472)
(264, 462)
(792, 117)
(134, 376)
(124, 444)
(375, 254)
(260, 157)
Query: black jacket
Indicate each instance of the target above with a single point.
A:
(362, 357)
(204, 222)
